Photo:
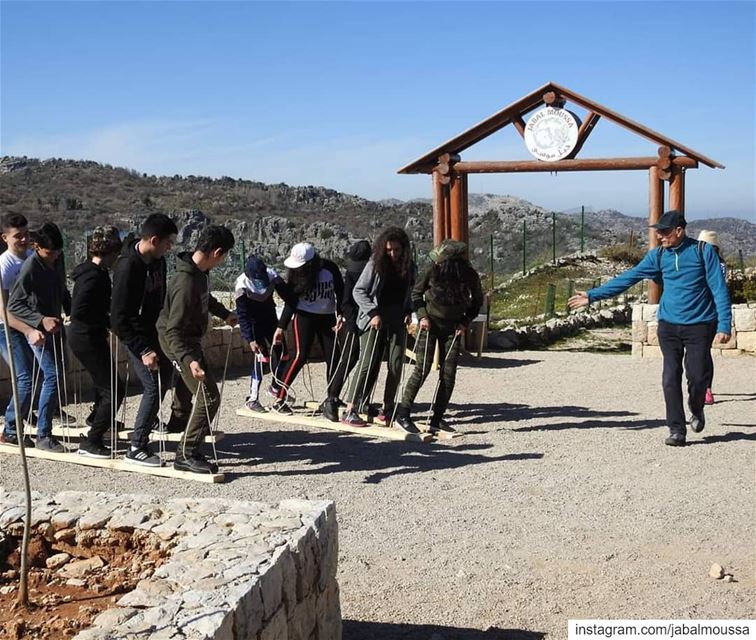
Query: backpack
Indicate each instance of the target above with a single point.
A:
(700, 250)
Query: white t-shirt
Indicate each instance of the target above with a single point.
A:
(10, 267)
(322, 299)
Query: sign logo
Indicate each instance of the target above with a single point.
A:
(551, 134)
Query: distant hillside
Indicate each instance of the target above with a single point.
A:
(270, 218)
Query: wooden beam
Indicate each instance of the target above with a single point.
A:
(677, 189)
(116, 465)
(585, 164)
(584, 131)
(60, 431)
(655, 210)
(465, 213)
(321, 423)
(519, 124)
(438, 209)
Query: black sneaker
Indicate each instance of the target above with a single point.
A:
(282, 407)
(405, 423)
(198, 455)
(439, 424)
(370, 410)
(195, 464)
(50, 444)
(91, 450)
(330, 410)
(12, 439)
(697, 422)
(675, 440)
(142, 456)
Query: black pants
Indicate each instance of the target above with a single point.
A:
(93, 352)
(149, 405)
(687, 345)
(198, 419)
(445, 337)
(306, 327)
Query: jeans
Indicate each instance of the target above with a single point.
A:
(688, 345)
(150, 403)
(49, 357)
(23, 358)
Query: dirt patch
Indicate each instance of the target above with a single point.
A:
(71, 580)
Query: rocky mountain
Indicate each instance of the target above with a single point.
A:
(270, 218)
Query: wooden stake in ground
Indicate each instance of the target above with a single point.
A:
(23, 583)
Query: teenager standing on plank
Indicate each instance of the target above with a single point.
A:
(88, 336)
(446, 299)
(385, 309)
(139, 286)
(694, 309)
(319, 289)
(181, 326)
(256, 310)
(15, 234)
(357, 258)
(38, 299)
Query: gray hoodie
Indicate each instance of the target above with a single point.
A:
(366, 293)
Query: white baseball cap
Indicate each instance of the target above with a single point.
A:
(301, 253)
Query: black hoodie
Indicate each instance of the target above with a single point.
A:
(138, 295)
(90, 307)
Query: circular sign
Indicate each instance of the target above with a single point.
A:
(551, 134)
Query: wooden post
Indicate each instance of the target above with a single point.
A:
(457, 204)
(438, 210)
(465, 214)
(655, 209)
(677, 189)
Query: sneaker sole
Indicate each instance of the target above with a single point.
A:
(142, 464)
(88, 454)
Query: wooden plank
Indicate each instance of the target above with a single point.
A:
(519, 124)
(583, 132)
(321, 423)
(116, 465)
(125, 434)
(584, 164)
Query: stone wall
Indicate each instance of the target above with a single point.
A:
(742, 340)
(236, 570)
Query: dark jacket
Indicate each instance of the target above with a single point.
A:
(138, 296)
(184, 318)
(425, 299)
(257, 312)
(349, 308)
(39, 292)
(90, 305)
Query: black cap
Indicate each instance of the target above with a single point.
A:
(670, 220)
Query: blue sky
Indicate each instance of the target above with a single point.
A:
(343, 94)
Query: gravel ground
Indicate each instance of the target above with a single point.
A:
(560, 502)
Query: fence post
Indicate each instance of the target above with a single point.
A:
(492, 263)
(570, 293)
(582, 229)
(550, 297)
(524, 243)
(243, 255)
(740, 259)
(553, 237)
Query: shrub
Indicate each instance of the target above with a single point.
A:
(622, 253)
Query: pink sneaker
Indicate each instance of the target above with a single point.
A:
(709, 398)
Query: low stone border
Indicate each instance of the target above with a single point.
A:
(742, 341)
(236, 571)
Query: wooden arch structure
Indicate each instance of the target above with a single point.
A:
(449, 171)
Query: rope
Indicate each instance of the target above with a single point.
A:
(113, 434)
(370, 361)
(65, 378)
(209, 422)
(162, 431)
(35, 378)
(402, 382)
(60, 398)
(220, 395)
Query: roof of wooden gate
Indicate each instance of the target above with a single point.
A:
(529, 102)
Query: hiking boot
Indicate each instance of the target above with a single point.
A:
(709, 398)
(675, 440)
(352, 419)
(143, 457)
(194, 464)
(282, 407)
(50, 444)
(12, 439)
(439, 424)
(406, 424)
(254, 405)
(330, 410)
(94, 450)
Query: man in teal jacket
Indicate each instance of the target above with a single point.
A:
(694, 309)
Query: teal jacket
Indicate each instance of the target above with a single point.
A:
(695, 290)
